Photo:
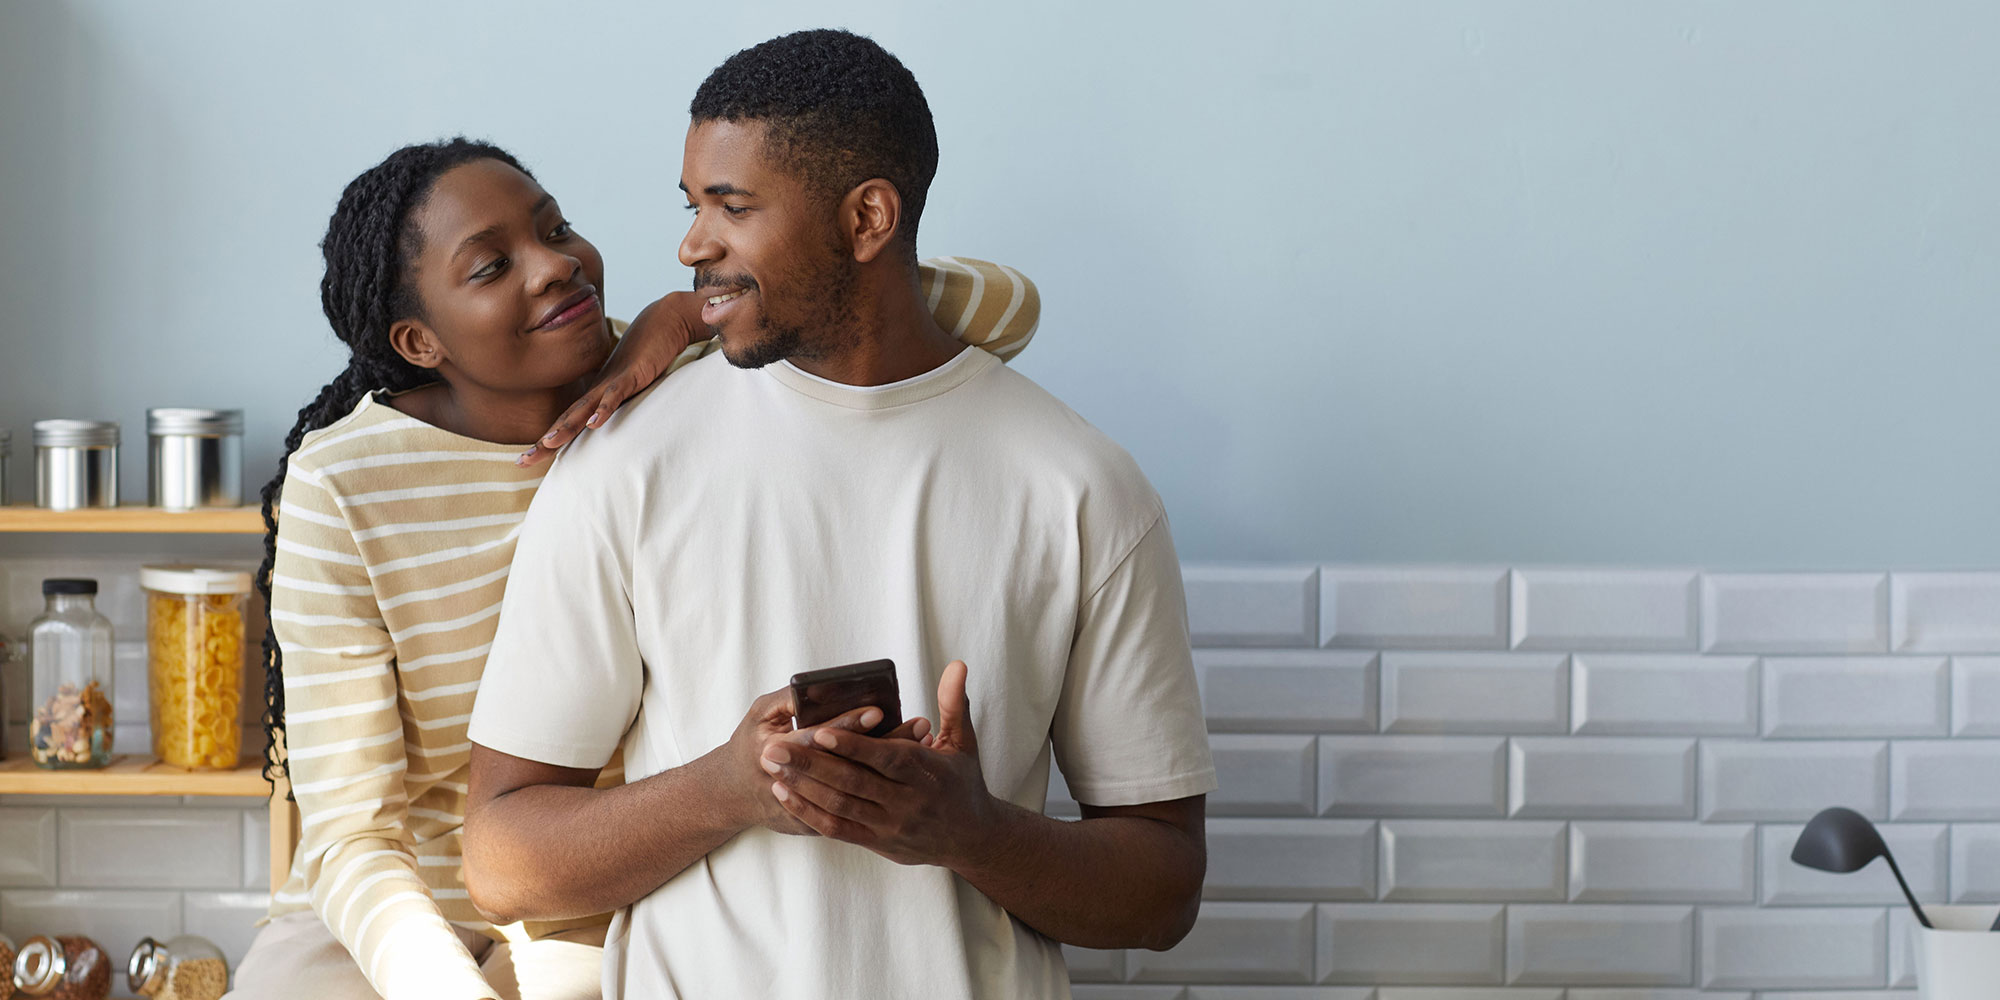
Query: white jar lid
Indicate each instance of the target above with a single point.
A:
(194, 579)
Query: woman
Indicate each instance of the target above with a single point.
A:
(474, 318)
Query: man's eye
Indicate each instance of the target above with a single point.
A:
(735, 210)
(693, 209)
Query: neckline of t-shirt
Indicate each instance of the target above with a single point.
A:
(968, 362)
(376, 402)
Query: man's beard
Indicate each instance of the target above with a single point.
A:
(830, 323)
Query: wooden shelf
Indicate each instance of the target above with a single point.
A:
(145, 775)
(132, 775)
(134, 520)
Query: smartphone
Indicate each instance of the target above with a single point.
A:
(822, 695)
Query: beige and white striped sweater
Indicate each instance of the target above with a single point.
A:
(394, 539)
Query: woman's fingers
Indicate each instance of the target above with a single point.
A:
(565, 429)
(609, 396)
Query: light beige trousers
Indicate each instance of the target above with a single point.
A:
(295, 956)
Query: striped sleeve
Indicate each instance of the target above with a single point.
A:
(347, 757)
(984, 304)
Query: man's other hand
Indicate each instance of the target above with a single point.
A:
(768, 724)
(919, 799)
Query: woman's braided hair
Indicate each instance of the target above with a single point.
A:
(370, 246)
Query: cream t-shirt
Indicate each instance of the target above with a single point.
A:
(734, 527)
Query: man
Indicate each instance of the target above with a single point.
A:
(844, 484)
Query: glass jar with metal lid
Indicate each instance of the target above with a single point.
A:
(76, 464)
(196, 458)
(69, 967)
(184, 968)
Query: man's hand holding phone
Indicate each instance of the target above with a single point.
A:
(920, 799)
(769, 724)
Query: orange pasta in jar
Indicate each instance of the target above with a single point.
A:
(194, 653)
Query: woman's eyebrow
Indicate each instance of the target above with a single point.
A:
(490, 231)
(476, 238)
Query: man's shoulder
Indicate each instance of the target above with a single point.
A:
(1049, 437)
(1033, 417)
(648, 420)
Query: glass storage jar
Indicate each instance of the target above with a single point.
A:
(185, 968)
(10, 650)
(69, 649)
(63, 968)
(194, 662)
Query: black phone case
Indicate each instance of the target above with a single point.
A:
(822, 695)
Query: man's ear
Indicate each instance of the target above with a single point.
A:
(416, 343)
(870, 215)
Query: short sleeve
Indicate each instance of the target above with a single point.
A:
(564, 678)
(1128, 728)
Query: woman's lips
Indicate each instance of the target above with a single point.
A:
(572, 312)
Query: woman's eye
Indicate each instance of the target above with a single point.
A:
(490, 269)
(561, 230)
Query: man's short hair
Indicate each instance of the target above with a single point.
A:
(839, 109)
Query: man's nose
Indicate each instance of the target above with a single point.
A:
(698, 246)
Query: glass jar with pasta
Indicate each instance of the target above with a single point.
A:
(194, 663)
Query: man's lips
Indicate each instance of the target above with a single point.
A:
(717, 302)
(569, 310)
(717, 296)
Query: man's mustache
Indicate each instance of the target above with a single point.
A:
(710, 279)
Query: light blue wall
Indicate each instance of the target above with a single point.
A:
(1704, 283)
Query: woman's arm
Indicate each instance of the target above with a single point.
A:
(347, 760)
(990, 306)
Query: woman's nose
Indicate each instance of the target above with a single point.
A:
(554, 267)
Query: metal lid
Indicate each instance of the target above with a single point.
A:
(40, 966)
(76, 434)
(194, 579)
(178, 420)
(68, 585)
(146, 970)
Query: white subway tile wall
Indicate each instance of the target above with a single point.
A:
(1605, 611)
(1944, 612)
(1438, 783)
(1795, 613)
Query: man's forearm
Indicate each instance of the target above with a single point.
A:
(551, 851)
(1107, 882)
